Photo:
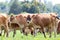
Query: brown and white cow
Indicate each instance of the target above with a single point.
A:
(45, 21)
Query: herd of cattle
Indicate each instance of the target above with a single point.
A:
(30, 24)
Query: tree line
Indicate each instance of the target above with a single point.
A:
(17, 7)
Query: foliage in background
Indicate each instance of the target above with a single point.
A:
(16, 7)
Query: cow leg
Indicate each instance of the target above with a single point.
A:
(35, 32)
(5, 32)
(14, 33)
(32, 32)
(21, 27)
(50, 31)
(55, 28)
(0, 31)
(43, 32)
(21, 30)
(55, 32)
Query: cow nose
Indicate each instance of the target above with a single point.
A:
(27, 22)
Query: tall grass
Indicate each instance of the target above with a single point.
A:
(19, 36)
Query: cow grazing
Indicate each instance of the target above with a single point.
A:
(45, 20)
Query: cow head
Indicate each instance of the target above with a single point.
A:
(54, 15)
(28, 19)
(12, 18)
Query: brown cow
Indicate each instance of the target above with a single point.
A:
(3, 18)
(18, 19)
(58, 28)
(21, 20)
(13, 27)
(44, 20)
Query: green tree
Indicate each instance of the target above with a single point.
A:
(15, 8)
(56, 8)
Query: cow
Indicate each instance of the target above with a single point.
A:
(3, 18)
(44, 21)
(58, 28)
(18, 19)
(13, 27)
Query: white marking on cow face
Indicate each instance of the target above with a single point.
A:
(28, 19)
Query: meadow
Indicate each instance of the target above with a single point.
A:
(19, 36)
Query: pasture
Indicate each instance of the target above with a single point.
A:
(19, 36)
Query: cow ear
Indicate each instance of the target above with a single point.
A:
(11, 15)
(24, 16)
(33, 16)
(54, 14)
(16, 16)
(51, 14)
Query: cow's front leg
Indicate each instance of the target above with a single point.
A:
(0, 31)
(14, 33)
(50, 29)
(43, 32)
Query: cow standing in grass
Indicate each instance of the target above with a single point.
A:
(3, 18)
(18, 19)
(45, 21)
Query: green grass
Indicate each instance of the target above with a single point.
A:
(19, 36)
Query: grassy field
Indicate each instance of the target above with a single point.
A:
(19, 36)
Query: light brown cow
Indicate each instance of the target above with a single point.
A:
(45, 20)
(3, 18)
(18, 19)
(58, 28)
(21, 20)
(13, 27)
